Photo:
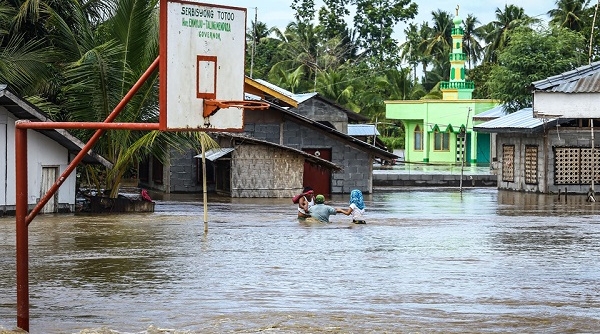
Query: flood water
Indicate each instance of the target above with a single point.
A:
(427, 261)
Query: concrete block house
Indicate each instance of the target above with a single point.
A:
(342, 162)
(553, 146)
(48, 153)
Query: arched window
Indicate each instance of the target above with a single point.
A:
(418, 136)
(441, 141)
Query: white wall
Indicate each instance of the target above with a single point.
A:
(565, 105)
(41, 152)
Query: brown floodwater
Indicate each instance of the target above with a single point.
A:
(427, 261)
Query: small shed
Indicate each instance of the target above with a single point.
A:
(48, 153)
(249, 167)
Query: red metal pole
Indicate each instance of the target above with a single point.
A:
(92, 141)
(21, 205)
(88, 125)
(22, 235)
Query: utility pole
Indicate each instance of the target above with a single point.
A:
(464, 149)
(253, 40)
(592, 33)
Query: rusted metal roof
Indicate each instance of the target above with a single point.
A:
(584, 79)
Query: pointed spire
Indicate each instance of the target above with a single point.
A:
(457, 88)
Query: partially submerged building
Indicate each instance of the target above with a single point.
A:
(49, 153)
(552, 147)
(311, 152)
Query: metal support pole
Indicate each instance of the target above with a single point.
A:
(21, 229)
(204, 190)
(464, 151)
(593, 155)
(21, 205)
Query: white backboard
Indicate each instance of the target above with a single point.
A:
(202, 54)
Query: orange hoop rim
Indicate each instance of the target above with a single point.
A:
(212, 106)
(246, 104)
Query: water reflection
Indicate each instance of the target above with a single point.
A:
(428, 260)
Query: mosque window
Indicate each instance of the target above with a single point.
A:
(441, 141)
(418, 136)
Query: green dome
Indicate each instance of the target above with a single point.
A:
(457, 21)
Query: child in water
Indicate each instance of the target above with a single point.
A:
(356, 207)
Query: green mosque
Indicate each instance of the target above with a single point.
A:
(441, 131)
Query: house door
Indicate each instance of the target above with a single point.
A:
(49, 176)
(317, 177)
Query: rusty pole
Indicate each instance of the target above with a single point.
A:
(22, 237)
(21, 207)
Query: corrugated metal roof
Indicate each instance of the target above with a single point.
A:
(215, 153)
(297, 97)
(376, 151)
(362, 130)
(584, 79)
(520, 121)
(303, 97)
(22, 109)
(275, 88)
(251, 140)
(490, 114)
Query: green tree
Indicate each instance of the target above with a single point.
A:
(305, 11)
(439, 46)
(375, 21)
(569, 14)
(533, 55)
(261, 50)
(472, 48)
(337, 85)
(414, 50)
(497, 32)
(331, 18)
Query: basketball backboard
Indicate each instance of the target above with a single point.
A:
(202, 54)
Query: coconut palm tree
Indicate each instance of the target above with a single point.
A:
(337, 85)
(569, 14)
(439, 44)
(472, 48)
(101, 63)
(497, 32)
(410, 48)
(24, 57)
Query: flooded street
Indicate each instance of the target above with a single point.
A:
(427, 261)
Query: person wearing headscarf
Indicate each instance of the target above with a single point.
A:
(305, 201)
(356, 207)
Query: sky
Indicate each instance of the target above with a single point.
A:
(279, 13)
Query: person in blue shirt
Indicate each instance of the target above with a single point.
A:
(320, 211)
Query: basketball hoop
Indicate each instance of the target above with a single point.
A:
(212, 106)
